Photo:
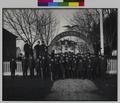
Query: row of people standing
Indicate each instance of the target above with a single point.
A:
(69, 65)
(61, 66)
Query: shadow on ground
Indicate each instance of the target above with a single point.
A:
(21, 89)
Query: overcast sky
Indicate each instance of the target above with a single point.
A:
(63, 16)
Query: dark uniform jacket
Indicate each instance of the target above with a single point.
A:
(26, 47)
(37, 49)
(13, 65)
(25, 64)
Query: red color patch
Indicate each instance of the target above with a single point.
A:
(81, 4)
(43, 1)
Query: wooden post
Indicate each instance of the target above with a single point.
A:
(101, 32)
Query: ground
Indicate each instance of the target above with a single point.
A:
(21, 89)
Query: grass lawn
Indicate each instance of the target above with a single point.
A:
(21, 89)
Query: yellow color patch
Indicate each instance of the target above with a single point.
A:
(73, 3)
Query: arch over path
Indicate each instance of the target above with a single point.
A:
(71, 33)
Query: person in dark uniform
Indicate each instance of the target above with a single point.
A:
(37, 49)
(97, 66)
(79, 67)
(38, 67)
(56, 67)
(62, 68)
(47, 66)
(53, 54)
(44, 69)
(71, 66)
(30, 51)
(41, 66)
(31, 66)
(74, 67)
(103, 66)
(66, 66)
(89, 68)
(84, 66)
(60, 75)
(46, 51)
(43, 49)
(63, 63)
(93, 66)
(25, 64)
(52, 67)
(13, 67)
(26, 49)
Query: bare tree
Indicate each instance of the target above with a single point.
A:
(20, 22)
(87, 21)
(30, 24)
(47, 26)
(84, 20)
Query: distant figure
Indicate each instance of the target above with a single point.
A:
(53, 53)
(37, 49)
(38, 67)
(30, 51)
(25, 64)
(43, 49)
(31, 66)
(103, 66)
(26, 49)
(13, 67)
(79, 67)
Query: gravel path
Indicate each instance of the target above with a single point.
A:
(74, 89)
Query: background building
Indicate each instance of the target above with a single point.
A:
(9, 45)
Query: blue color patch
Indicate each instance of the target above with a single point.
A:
(53, 4)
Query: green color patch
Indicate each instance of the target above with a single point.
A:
(63, 4)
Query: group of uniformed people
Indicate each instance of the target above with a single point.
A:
(67, 65)
(63, 65)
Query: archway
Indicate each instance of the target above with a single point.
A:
(71, 33)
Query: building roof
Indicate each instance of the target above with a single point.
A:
(4, 30)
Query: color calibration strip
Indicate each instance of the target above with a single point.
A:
(61, 3)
